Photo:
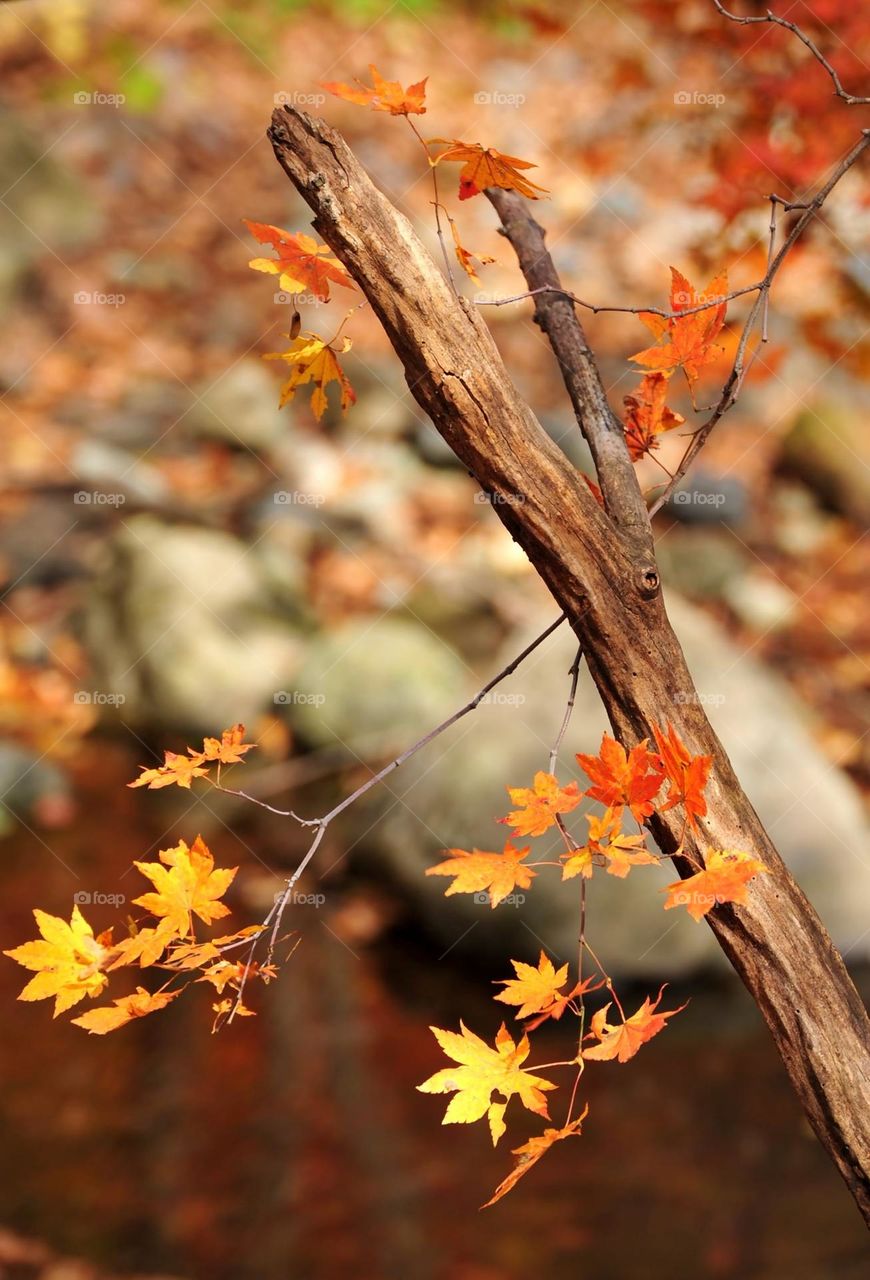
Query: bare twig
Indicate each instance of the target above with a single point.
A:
(850, 99)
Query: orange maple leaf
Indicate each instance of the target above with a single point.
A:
(317, 362)
(538, 805)
(686, 774)
(530, 1153)
(111, 1016)
(647, 416)
(690, 338)
(725, 878)
(608, 846)
(481, 1072)
(188, 883)
(497, 874)
(176, 769)
(623, 1040)
(484, 167)
(466, 258)
(303, 265)
(385, 95)
(229, 748)
(619, 779)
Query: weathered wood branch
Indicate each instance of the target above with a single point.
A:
(608, 585)
(557, 317)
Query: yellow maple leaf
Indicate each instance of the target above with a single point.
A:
(725, 878)
(229, 748)
(111, 1016)
(315, 361)
(535, 988)
(188, 884)
(68, 960)
(530, 1153)
(145, 946)
(481, 1072)
(497, 874)
(176, 769)
(538, 805)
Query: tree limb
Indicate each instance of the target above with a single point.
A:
(610, 592)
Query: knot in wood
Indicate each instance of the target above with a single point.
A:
(648, 580)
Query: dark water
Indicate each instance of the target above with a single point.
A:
(295, 1147)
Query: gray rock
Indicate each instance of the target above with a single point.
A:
(373, 687)
(700, 563)
(240, 407)
(448, 798)
(181, 622)
(704, 498)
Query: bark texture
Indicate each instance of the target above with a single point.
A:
(600, 568)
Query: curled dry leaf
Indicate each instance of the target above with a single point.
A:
(384, 95)
(484, 167)
(530, 1153)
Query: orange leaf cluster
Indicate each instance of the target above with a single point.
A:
(180, 770)
(620, 778)
(686, 342)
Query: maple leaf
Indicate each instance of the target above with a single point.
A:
(535, 988)
(188, 884)
(619, 779)
(303, 265)
(111, 1016)
(496, 873)
(68, 960)
(537, 806)
(145, 946)
(623, 1040)
(225, 1007)
(482, 1072)
(689, 342)
(230, 748)
(686, 774)
(315, 361)
(484, 167)
(385, 95)
(647, 416)
(725, 878)
(466, 258)
(530, 1153)
(609, 846)
(176, 769)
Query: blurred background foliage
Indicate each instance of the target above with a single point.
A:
(177, 554)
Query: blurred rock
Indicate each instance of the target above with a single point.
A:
(700, 563)
(181, 622)
(828, 448)
(449, 797)
(373, 687)
(799, 527)
(760, 601)
(240, 407)
(104, 467)
(704, 498)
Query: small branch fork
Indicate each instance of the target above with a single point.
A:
(272, 921)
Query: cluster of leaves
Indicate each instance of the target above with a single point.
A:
(684, 342)
(639, 783)
(70, 962)
(306, 268)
